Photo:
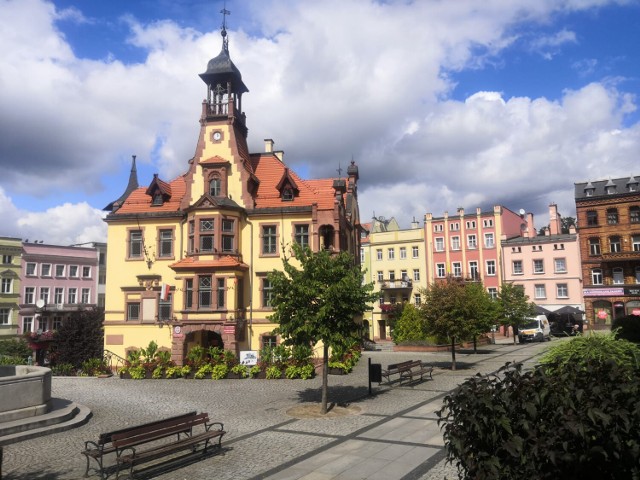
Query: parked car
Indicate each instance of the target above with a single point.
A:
(535, 330)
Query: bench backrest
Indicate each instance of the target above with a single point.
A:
(150, 432)
(399, 366)
(107, 437)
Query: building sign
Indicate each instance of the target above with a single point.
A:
(602, 314)
(230, 329)
(602, 292)
(636, 311)
(632, 292)
(248, 357)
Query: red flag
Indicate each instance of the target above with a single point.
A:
(164, 292)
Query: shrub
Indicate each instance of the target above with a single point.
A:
(306, 371)
(219, 371)
(204, 370)
(15, 348)
(79, 338)
(410, 326)
(580, 422)
(254, 371)
(137, 372)
(94, 367)
(628, 328)
(292, 371)
(241, 370)
(63, 370)
(273, 372)
(157, 372)
(173, 372)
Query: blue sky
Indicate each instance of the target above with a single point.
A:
(442, 104)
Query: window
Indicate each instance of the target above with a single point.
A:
(487, 222)
(455, 243)
(612, 216)
(269, 240)
(438, 227)
(84, 295)
(560, 265)
(57, 323)
(457, 269)
(635, 243)
(562, 291)
(637, 274)
(269, 341)
(440, 270)
(287, 195)
(7, 259)
(392, 275)
(302, 235)
(164, 308)
(31, 269)
(414, 252)
(391, 254)
(380, 276)
(491, 267)
(439, 244)
(454, 226)
(489, 240)
(417, 299)
(30, 295)
(473, 270)
(618, 276)
(204, 292)
(403, 276)
(73, 295)
(614, 244)
(228, 235)
(379, 254)
(166, 243)
(592, 218)
(403, 253)
(58, 296)
(59, 270)
(86, 272)
(538, 266)
(361, 254)
(634, 214)
(594, 246)
(596, 276)
(610, 189)
(215, 187)
(45, 268)
(191, 246)
(135, 244)
(5, 316)
(7, 285)
(220, 291)
(267, 293)
(472, 241)
(27, 324)
(133, 311)
(471, 224)
(44, 294)
(493, 292)
(207, 227)
(540, 291)
(516, 267)
(157, 198)
(416, 275)
(188, 293)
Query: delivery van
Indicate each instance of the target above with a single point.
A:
(535, 330)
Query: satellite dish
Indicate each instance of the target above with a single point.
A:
(521, 211)
(40, 303)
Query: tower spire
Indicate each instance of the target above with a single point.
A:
(225, 40)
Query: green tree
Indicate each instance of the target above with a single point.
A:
(79, 338)
(319, 302)
(445, 312)
(565, 223)
(480, 310)
(411, 326)
(514, 306)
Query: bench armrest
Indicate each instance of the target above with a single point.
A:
(211, 424)
(90, 445)
(121, 452)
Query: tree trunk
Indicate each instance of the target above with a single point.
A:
(453, 353)
(513, 330)
(475, 344)
(325, 378)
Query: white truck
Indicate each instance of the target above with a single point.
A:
(535, 330)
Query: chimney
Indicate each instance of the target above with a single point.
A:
(279, 154)
(554, 220)
(415, 224)
(268, 145)
(531, 229)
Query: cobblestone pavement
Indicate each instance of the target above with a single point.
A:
(263, 441)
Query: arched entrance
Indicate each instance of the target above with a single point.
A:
(201, 338)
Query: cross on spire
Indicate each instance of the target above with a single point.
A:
(339, 170)
(225, 40)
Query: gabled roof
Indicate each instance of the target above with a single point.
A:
(287, 179)
(140, 202)
(161, 185)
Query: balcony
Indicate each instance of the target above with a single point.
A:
(396, 284)
(620, 256)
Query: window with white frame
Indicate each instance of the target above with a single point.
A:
(380, 275)
(417, 299)
(456, 267)
(471, 224)
(44, 294)
(473, 270)
(72, 295)
(487, 222)
(472, 241)
(440, 270)
(30, 269)
(302, 235)
(560, 265)
(57, 323)
(594, 246)
(439, 244)
(618, 276)
(58, 295)
(438, 227)
(27, 324)
(454, 226)
(361, 255)
(7, 259)
(489, 240)
(455, 243)
(516, 267)
(269, 240)
(84, 295)
(207, 235)
(165, 247)
(86, 271)
(164, 308)
(562, 290)
(403, 253)
(391, 254)
(392, 275)
(493, 292)
(538, 266)
(635, 243)
(415, 252)
(634, 214)
(491, 267)
(416, 275)
(135, 244)
(59, 271)
(267, 293)
(403, 275)
(379, 254)
(73, 271)
(596, 276)
(7, 285)
(614, 244)
(5, 316)
(45, 269)
(540, 291)
(29, 295)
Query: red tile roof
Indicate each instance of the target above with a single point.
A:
(139, 202)
(194, 263)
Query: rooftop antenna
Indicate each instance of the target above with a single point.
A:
(225, 40)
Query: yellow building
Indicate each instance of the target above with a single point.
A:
(394, 260)
(188, 258)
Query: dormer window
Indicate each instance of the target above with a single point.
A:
(157, 198)
(215, 187)
(611, 190)
(287, 195)
(287, 187)
(588, 192)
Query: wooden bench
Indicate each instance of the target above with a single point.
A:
(416, 369)
(395, 369)
(149, 442)
(104, 446)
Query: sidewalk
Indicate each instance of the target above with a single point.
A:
(395, 435)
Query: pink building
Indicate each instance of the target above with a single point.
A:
(547, 266)
(56, 281)
(468, 245)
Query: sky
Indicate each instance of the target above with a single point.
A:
(442, 104)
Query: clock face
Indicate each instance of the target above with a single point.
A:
(217, 136)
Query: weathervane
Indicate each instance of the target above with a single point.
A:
(225, 40)
(339, 170)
